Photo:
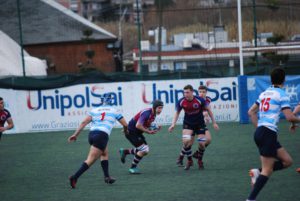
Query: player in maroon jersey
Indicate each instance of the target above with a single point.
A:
(138, 125)
(193, 123)
(5, 116)
(202, 91)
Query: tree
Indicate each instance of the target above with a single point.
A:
(273, 4)
(160, 6)
(89, 53)
(273, 56)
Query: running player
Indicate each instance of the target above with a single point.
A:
(206, 138)
(5, 116)
(293, 126)
(138, 125)
(272, 155)
(102, 121)
(193, 123)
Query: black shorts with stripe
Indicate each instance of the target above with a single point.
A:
(197, 129)
(136, 139)
(266, 141)
(98, 139)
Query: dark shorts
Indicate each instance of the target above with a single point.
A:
(266, 141)
(197, 129)
(136, 139)
(98, 139)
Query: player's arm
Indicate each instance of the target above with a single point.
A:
(140, 123)
(293, 125)
(83, 124)
(297, 109)
(211, 115)
(290, 116)
(10, 125)
(175, 118)
(124, 124)
(252, 112)
(140, 126)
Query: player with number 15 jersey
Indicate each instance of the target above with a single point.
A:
(271, 102)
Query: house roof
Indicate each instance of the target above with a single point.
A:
(46, 21)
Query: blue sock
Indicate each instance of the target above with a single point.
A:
(81, 170)
(259, 184)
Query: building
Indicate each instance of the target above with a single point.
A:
(54, 33)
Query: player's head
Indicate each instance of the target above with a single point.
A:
(157, 106)
(107, 99)
(1, 103)
(277, 76)
(202, 90)
(188, 92)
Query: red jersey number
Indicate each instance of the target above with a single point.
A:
(102, 116)
(265, 104)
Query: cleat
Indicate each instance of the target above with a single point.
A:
(134, 171)
(123, 155)
(254, 173)
(196, 154)
(189, 163)
(200, 165)
(179, 161)
(298, 170)
(73, 181)
(109, 180)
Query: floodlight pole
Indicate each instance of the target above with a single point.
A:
(139, 37)
(240, 37)
(255, 31)
(21, 37)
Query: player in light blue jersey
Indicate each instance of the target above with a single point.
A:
(102, 121)
(273, 156)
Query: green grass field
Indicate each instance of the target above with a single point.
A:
(36, 167)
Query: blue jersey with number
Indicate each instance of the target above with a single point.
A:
(271, 102)
(104, 118)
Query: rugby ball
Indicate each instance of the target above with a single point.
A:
(153, 126)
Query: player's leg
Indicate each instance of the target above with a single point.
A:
(267, 169)
(202, 141)
(208, 138)
(105, 167)
(182, 153)
(98, 141)
(143, 150)
(187, 147)
(93, 155)
(201, 149)
(284, 159)
(124, 152)
(273, 157)
(207, 142)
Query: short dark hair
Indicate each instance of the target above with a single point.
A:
(202, 87)
(190, 87)
(157, 103)
(1, 98)
(277, 76)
